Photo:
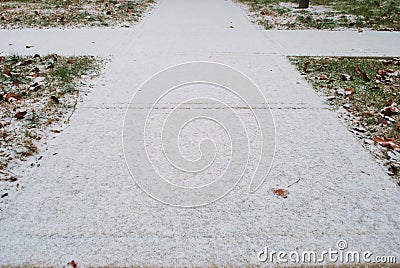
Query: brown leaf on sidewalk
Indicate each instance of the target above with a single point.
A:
(73, 264)
(20, 115)
(280, 192)
(390, 143)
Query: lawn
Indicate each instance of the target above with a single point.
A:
(70, 13)
(366, 93)
(38, 94)
(324, 14)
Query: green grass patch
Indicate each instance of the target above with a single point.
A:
(367, 90)
(70, 13)
(324, 14)
(37, 93)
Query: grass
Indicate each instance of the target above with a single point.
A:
(324, 14)
(36, 93)
(366, 92)
(70, 13)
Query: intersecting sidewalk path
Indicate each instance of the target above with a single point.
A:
(82, 203)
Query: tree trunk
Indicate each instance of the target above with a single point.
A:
(304, 3)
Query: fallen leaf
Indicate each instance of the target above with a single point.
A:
(73, 264)
(55, 100)
(29, 46)
(16, 83)
(391, 143)
(389, 103)
(390, 110)
(55, 131)
(20, 115)
(357, 69)
(322, 77)
(349, 91)
(7, 73)
(398, 124)
(381, 72)
(263, 13)
(365, 77)
(382, 121)
(11, 97)
(346, 77)
(281, 192)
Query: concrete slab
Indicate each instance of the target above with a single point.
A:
(82, 203)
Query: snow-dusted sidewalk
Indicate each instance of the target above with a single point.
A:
(82, 203)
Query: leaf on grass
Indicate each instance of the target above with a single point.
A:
(346, 77)
(11, 97)
(382, 121)
(390, 109)
(381, 72)
(398, 124)
(263, 13)
(7, 73)
(322, 77)
(280, 192)
(365, 77)
(349, 91)
(54, 100)
(20, 115)
(16, 83)
(390, 143)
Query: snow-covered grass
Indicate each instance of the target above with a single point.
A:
(37, 95)
(70, 13)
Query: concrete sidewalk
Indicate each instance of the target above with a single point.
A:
(82, 203)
